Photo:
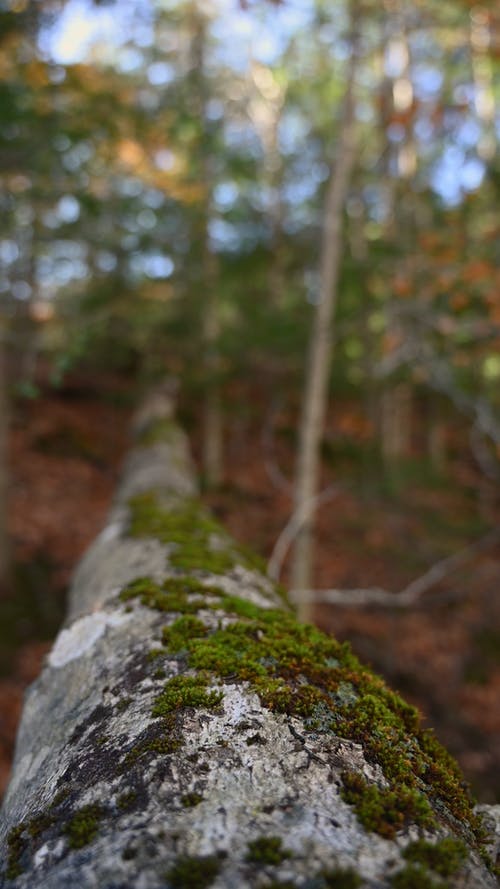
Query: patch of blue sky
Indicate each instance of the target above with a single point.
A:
(427, 81)
(81, 26)
(225, 195)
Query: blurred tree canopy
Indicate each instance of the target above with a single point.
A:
(160, 157)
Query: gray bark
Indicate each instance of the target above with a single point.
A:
(179, 801)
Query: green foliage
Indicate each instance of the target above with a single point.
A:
(415, 877)
(275, 653)
(178, 634)
(158, 432)
(186, 691)
(189, 529)
(161, 745)
(193, 873)
(83, 827)
(192, 799)
(341, 878)
(444, 857)
(126, 800)
(267, 850)
(16, 844)
(383, 811)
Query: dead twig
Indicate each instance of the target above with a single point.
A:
(274, 472)
(292, 528)
(412, 593)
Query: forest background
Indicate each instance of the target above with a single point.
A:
(288, 207)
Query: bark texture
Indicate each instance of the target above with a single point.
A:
(187, 731)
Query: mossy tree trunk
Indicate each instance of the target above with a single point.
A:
(187, 731)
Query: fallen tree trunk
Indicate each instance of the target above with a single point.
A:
(187, 731)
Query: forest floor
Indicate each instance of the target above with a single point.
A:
(379, 530)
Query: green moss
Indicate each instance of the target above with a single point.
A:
(186, 691)
(385, 811)
(40, 823)
(235, 605)
(16, 845)
(341, 878)
(174, 594)
(267, 850)
(20, 838)
(123, 704)
(126, 800)
(280, 884)
(444, 857)
(193, 873)
(155, 653)
(60, 797)
(143, 587)
(189, 800)
(298, 670)
(159, 673)
(193, 531)
(162, 745)
(158, 431)
(415, 877)
(178, 634)
(84, 825)
(189, 528)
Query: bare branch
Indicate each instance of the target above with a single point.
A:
(412, 593)
(292, 528)
(275, 475)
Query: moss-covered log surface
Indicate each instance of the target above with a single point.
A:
(188, 732)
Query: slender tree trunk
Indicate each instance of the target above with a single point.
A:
(320, 349)
(396, 416)
(212, 449)
(212, 408)
(396, 405)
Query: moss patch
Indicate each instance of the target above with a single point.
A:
(200, 542)
(186, 691)
(193, 873)
(178, 635)
(190, 529)
(385, 811)
(16, 845)
(159, 739)
(415, 877)
(158, 431)
(280, 884)
(267, 850)
(84, 825)
(341, 878)
(444, 857)
(298, 670)
(190, 800)
(126, 800)
(20, 839)
(175, 594)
